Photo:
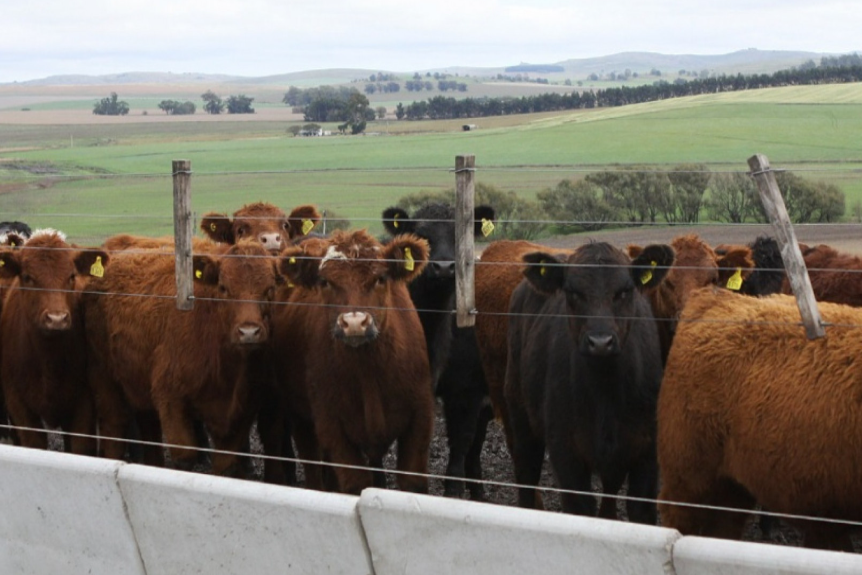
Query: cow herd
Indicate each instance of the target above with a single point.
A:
(679, 372)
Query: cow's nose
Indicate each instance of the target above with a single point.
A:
(249, 333)
(355, 323)
(600, 344)
(270, 241)
(442, 269)
(57, 320)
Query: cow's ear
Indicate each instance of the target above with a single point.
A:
(302, 220)
(397, 221)
(651, 265)
(483, 221)
(218, 227)
(91, 262)
(10, 265)
(206, 269)
(544, 271)
(14, 240)
(734, 267)
(299, 267)
(634, 251)
(406, 257)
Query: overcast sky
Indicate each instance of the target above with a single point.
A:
(40, 38)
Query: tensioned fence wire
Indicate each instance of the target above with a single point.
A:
(240, 455)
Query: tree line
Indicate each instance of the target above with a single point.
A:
(640, 196)
(441, 107)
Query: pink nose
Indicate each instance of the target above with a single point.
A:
(271, 241)
(249, 333)
(355, 323)
(56, 320)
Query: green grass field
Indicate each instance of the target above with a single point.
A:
(95, 180)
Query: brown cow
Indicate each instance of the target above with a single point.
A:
(835, 276)
(351, 355)
(499, 272)
(148, 358)
(751, 411)
(263, 222)
(43, 367)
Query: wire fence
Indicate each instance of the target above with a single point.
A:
(668, 232)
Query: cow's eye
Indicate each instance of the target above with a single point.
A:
(323, 283)
(222, 289)
(381, 281)
(240, 232)
(26, 279)
(622, 295)
(285, 225)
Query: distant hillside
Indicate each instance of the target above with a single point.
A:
(744, 61)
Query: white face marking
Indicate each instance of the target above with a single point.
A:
(332, 253)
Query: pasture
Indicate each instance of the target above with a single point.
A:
(94, 176)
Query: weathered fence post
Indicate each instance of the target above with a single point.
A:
(182, 172)
(465, 259)
(797, 273)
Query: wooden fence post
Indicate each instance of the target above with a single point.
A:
(797, 272)
(465, 258)
(182, 172)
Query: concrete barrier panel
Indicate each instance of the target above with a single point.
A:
(62, 514)
(194, 523)
(703, 556)
(419, 534)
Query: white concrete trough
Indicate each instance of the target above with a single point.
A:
(420, 534)
(62, 514)
(703, 556)
(193, 523)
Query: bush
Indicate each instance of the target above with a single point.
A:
(579, 203)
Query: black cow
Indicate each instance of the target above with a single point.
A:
(768, 274)
(19, 228)
(583, 375)
(452, 352)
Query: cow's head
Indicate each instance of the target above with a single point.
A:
(436, 224)
(697, 265)
(262, 222)
(357, 279)
(48, 275)
(603, 290)
(244, 278)
(768, 273)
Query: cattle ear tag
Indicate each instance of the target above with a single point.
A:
(307, 226)
(542, 270)
(199, 274)
(487, 227)
(647, 275)
(735, 281)
(292, 260)
(409, 262)
(213, 227)
(395, 221)
(97, 270)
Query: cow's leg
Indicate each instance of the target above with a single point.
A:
(378, 475)
(574, 475)
(318, 477)
(462, 414)
(113, 413)
(22, 417)
(528, 456)
(275, 439)
(350, 480)
(82, 424)
(414, 448)
(179, 431)
(643, 485)
(474, 456)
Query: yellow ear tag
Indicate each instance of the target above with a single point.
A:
(409, 262)
(2, 263)
(735, 281)
(292, 260)
(647, 275)
(213, 227)
(199, 274)
(395, 221)
(12, 243)
(307, 226)
(487, 227)
(97, 270)
(542, 270)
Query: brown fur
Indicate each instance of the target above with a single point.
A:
(360, 399)
(43, 370)
(150, 358)
(263, 222)
(835, 277)
(755, 412)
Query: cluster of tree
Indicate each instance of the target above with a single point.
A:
(382, 77)
(445, 85)
(349, 107)
(418, 85)
(177, 108)
(111, 106)
(521, 78)
(387, 88)
(624, 76)
(300, 98)
(623, 95)
(234, 105)
(639, 195)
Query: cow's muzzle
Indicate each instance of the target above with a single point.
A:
(355, 328)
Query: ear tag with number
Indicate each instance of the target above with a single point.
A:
(735, 281)
(213, 227)
(409, 262)
(647, 275)
(199, 274)
(487, 227)
(97, 270)
(307, 226)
